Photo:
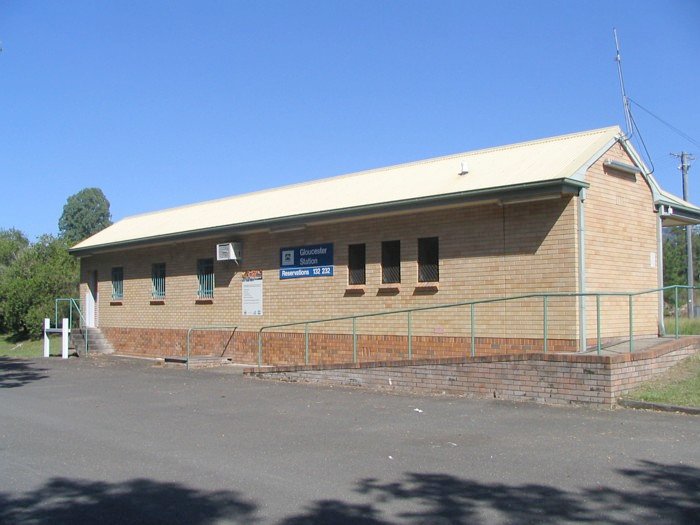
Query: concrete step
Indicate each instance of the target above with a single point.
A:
(97, 342)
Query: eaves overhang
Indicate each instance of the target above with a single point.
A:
(502, 195)
(674, 214)
(673, 211)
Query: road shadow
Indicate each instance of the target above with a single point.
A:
(63, 501)
(18, 372)
(653, 493)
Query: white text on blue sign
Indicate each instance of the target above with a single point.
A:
(306, 261)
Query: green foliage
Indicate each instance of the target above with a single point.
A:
(676, 260)
(12, 242)
(84, 214)
(679, 386)
(28, 286)
(32, 276)
(11, 346)
(686, 326)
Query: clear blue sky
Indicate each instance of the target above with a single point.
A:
(164, 103)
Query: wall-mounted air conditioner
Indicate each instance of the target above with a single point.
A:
(229, 251)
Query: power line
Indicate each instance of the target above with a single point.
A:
(641, 140)
(670, 126)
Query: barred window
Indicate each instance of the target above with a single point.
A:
(158, 280)
(391, 262)
(428, 260)
(356, 264)
(117, 283)
(205, 277)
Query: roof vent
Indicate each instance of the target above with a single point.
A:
(615, 165)
(463, 167)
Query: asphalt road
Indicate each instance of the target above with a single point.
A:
(110, 441)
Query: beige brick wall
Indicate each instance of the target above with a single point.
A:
(620, 238)
(486, 251)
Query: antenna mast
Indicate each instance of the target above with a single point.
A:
(625, 100)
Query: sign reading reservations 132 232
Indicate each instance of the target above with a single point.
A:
(315, 260)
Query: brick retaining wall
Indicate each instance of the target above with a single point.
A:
(284, 348)
(543, 378)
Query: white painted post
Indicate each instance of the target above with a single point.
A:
(64, 339)
(47, 326)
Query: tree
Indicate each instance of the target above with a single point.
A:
(675, 257)
(84, 214)
(676, 261)
(12, 242)
(33, 280)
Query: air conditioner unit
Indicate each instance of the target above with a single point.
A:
(229, 251)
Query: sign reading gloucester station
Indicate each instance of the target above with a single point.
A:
(315, 260)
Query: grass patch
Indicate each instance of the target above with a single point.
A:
(686, 326)
(11, 346)
(679, 386)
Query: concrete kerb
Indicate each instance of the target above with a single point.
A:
(644, 405)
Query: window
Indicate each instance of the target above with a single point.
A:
(428, 260)
(118, 283)
(205, 276)
(356, 264)
(158, 280)
(391, 262)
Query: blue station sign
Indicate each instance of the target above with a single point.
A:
(315, 260)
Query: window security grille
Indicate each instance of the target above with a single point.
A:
(391, 262)
(428, 260)
(205, 278)
(158, 280)
(356, 264)
(117, 283)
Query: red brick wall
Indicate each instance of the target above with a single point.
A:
(543, 378)
(284, 348)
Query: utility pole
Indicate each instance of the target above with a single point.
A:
(684, 167)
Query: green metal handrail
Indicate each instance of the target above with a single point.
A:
(472, 304)
(205, 329)
(72, 303)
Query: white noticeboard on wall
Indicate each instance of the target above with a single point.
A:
(252, 292)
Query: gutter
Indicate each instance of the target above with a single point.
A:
(501, 195)
(674, 213)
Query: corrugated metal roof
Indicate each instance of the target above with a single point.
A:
(543, 160)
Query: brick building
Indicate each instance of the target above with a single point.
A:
(574, 213)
